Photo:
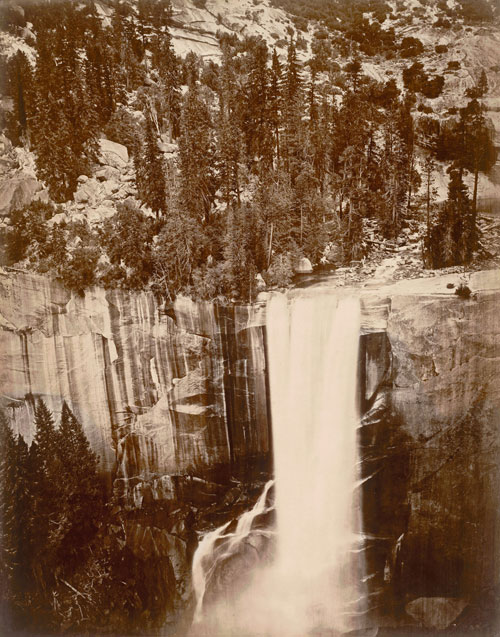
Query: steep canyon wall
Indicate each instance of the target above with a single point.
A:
(158, 393)
(184, 392)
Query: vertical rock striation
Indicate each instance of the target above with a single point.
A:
(159, 394)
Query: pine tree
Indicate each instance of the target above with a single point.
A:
(80, 482)
(479, 153)
(7, 515)
(153, 191)
(229, 135)
(20, 77)
(257, 124)
(50, 519)
(293, 139)
(451, 235)
(429, 166)
(167, 64)
(196, 153)
(275, 103)
(15, 515)
(64, 124)
(127, 49)
(100, 74)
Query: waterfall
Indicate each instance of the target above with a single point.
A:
(313, 357)
(313, 584)
(219, 545)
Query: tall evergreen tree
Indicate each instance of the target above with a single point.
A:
(64, 124)
(229, 135)
(257, 124)
(479, 152)
(154, 190)
(50, 519)
(293, 139)
(15, 515)
(196, 154)
(79, 481)
(20, 77)
(450, 240)
(275, 104)
(167, 64)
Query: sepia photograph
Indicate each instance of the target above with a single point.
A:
(250, 318)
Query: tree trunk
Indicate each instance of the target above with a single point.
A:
(474, 209)
(270, 249)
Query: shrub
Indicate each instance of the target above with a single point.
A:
(476, 10)
(432, 87)
(442, 23)
(463, 291)
(453, 65)
(210, 282)
(301, 43)
(441, 48)
(411, 47)
(280, 272)
(300, 23)
(413, 76)
(423, 108)
(128, 237)
(80, 270)
(122, 128)
(29, 227)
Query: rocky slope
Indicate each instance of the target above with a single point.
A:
(471, 47)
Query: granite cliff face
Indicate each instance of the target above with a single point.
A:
(176, 405)
(158, 394)
(431, 442)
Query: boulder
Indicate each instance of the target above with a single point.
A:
(17, 192)
(435, 613)
(167, 148)
(61, 217)
(259, 282)
(107, 173)
(113, 154)
(104, 212)
(81, 196)
(110, 187)
(42, 195)
(5, 145)
(304, 266)
(88, 192)
(93, 216)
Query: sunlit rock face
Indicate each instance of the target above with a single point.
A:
(159, 394)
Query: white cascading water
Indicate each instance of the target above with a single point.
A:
(217, 545)
(313, 584)
(313, 344)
